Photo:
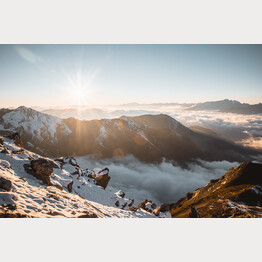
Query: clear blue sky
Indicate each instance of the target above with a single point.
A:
(62, 75)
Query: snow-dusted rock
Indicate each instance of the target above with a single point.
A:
(161, 209)
(5, 184)
(146, 205)
(101, 177)
(16, 138)
(41, 169)
(5, 163)
(120, 194)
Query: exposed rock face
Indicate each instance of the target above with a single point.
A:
(147, 205)
(17, 139)
(70, 186)
(238, 193)
(193, 213)
(41, 169)
(251, 197)
(162, 208)
(1, 141)
(102, 178)
(64, 160)
(5, 184)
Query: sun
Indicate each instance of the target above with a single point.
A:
(78, 96)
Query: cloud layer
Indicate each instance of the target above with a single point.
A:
(160, 183)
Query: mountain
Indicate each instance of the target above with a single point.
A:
(84, 113)
(35, 186)
(204, 130)
(38, 130)
(238, 193)
(228, 106)
(149, 138)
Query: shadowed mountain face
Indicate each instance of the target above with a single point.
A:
(149, 138)
(228, 106)
(238, 193)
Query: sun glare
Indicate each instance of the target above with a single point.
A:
(79, 96)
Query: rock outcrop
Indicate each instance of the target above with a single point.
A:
(5, 184)
(147, 205)
(238, 193)
(16, 138)
(41, 169)
(101, 178)
(193, 213)
(162, 208)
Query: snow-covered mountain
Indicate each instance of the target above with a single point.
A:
(34, 186)
(149, 138)
(37, 129)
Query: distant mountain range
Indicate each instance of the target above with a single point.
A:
(149, 138)
(94, 113)
(136, 109)
(228, 106)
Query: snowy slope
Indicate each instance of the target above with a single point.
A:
(31, 197)
(41, 126)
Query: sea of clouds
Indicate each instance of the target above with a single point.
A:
(167, 183)
(161, 183)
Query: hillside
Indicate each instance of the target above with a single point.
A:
(35, 186)
(238, 193)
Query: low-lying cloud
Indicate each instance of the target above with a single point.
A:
(161, 183)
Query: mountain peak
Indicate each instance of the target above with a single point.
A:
(154, 121)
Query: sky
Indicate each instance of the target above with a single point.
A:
(97, 75)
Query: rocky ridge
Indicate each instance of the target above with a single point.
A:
(36, 186)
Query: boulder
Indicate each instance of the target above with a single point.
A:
(101, 178)
(147, 205)
(70, 186)
(162, 208)
(41, 169)
(120, 194)
(131, 202)
(70, 159)
(5, 184)
(17, 139)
